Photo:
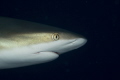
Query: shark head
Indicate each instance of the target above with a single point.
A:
(61, 42)
(24, 43)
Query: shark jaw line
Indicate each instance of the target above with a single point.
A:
(71, 42)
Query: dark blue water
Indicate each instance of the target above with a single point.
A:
(97, 20)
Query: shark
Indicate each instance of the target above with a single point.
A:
(25, 43)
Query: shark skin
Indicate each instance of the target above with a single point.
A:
(25, 43)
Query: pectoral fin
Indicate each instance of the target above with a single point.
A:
(19, 60)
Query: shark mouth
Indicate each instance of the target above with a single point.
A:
(47, 51)
(56, 52)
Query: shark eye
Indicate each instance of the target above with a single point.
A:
(55, 36)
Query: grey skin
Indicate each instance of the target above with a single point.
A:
(24, 43)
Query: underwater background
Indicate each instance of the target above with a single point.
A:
(97, 20)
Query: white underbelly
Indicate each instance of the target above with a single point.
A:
(23, 57)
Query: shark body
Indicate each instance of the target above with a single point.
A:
(24, 43)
